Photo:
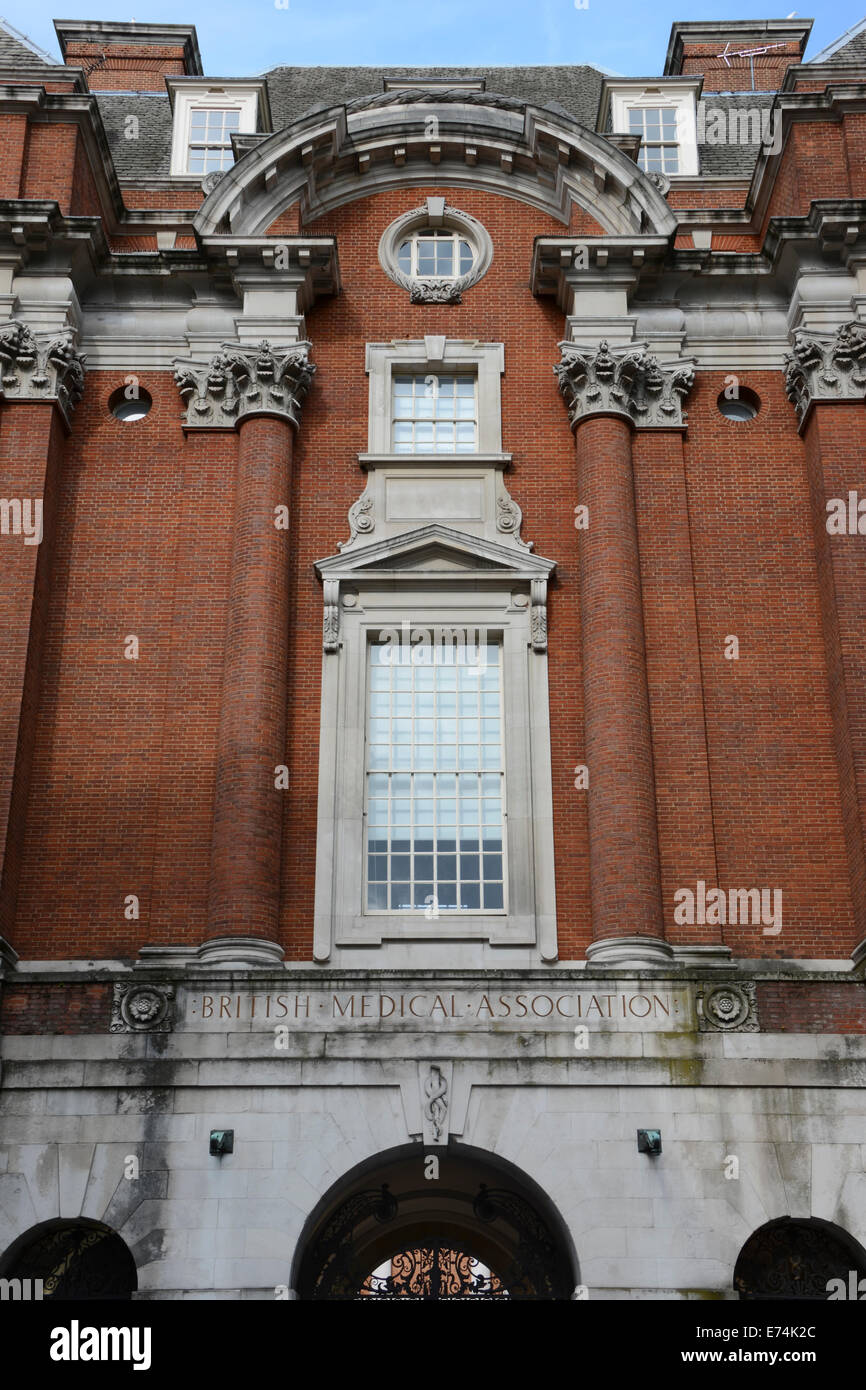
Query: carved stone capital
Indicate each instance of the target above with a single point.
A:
(826, 367)
(628, 381)
(237, 383)
(47, 368)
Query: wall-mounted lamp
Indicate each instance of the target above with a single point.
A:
(649, 1141)
(222, 1141)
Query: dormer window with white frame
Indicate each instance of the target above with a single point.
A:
(664, 116)
(205, 119)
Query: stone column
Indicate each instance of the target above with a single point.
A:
(261, 394)
(608, 394)
(41, 381)
(825, 378)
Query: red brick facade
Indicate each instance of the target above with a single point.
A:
(118, 776)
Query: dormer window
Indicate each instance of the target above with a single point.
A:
(210, 132)
(657, 127)
(664, 116)
(205, 120)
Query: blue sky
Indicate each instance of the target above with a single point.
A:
(239, 37)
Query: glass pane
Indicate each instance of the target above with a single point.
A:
(408, 867)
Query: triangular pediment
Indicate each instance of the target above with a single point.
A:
(435, 550)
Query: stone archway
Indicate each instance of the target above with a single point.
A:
(797, 1258)
(75, 1260)
(481, 1229)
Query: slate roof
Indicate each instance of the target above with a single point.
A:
(736, 160)
(850, 47)
(148, 155)
(575, 90)
(14, 54)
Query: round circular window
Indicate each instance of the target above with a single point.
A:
(129, 408)
(743, 406)
(435, 252)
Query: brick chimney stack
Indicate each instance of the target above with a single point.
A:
(757, 52)
(129, 57)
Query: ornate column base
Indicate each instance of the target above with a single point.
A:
(240, 951)
(631, 952)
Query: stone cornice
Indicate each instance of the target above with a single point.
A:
(563, 264)
(826, 367)
(40, 369)
(237, 383)
(628, 382)
(329, 158)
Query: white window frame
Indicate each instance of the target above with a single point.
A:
(434, 379)
(228, 97)
(641, 96)
(436, 235)
(429, 355)
(410, 659)
(345, 931)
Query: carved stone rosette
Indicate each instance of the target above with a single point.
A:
(728, 1008)
(623, 381)
(237, 383)
(142, 1008)
(826, 367)
(40, 369)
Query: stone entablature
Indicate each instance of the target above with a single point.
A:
(826, 367)
(40, 369)
(236, 384)
(628, 382)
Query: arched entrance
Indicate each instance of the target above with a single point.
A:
(74, 1260)
(797, 1258)
(391, 1229)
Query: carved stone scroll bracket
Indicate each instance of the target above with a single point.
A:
(142, 1008)
(331, 621)
(362, 520)
(826, 367)
(728, 1008)
(509, 518)
(538, 615)
(41, 369)
(237, 383)
(628, 381)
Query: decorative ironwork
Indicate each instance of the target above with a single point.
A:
(433, 1273)
(794, 1259)
(78, 1262)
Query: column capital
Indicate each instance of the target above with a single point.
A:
(826, 367)
(238, 382)
(43, 368)
(629, 382)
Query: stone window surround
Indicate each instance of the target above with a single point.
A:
(682, 96)
(223, 96)
(465, 599)
(430, 354)
(436, 213)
